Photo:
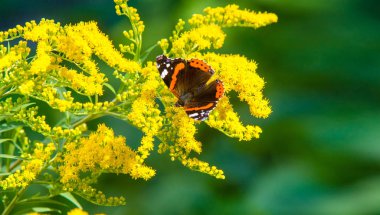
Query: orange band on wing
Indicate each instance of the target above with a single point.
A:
(200, 108)
(219, 90)
(200, 65)
(177, 68)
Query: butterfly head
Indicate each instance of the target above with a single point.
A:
(162, 59)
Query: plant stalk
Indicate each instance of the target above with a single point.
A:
(12, 204)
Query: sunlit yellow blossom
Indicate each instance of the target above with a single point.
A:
(41, 32)
(239, 74)
(27, 87)
(225, 119)
(77, 211)
(89, 85)
(42, 60)
(145, 113)
(67, 69)
(164, 44)
(103, 47)
(9, 58)
(197, 39)
(93, 195)
(30, 168)
(184, 132)
(101, 151)
(231, 15)
(201, 166)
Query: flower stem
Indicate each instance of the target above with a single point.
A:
(12, 204)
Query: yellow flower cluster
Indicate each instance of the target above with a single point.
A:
(145, 113)
(135, 34)
(206, 32)
(64, 69)
(197, 39)
(11, 58)
(204, 167)
(11, 34)
(181, 131)
(177, 137)
(84, 190)
(30, 118)
(56, 45)
(225, 119)
(101, 46)
(78, 211)
(42, 60)
(164, 45)
(122, 8)
(100, 152)
(230, 16)
(42, 31)
(239, 74)
(30, 167)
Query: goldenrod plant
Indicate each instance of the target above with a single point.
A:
(45, 62)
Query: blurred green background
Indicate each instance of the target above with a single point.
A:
(320, 149)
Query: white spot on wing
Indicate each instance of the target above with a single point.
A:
(168, 65)
(164, 73)
(193, 115)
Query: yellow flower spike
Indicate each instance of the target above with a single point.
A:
(239, 74)
(185, 131)
(77, 211)
(201, 38)
(41, 31)
(26, 88)
(16, 54)
(101, 151)
(66, 64)
(42, 60)
(225, 119)
(230, 16)
(164, 44)
(30, 168)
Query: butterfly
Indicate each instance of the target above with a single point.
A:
(188, 80)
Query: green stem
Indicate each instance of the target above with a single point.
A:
(12, 204)
(12, 38)
(138, 38)
(87, 118)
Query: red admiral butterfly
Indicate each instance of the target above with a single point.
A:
(187, 80)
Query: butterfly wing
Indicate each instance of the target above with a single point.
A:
(197, 75)
(182, 76)
(169, 71)
(205, 101)
(188, 81)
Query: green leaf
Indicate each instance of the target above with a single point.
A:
(5, 140)
(23, 106)
(72, 199)
(4, 173)
(60, 91)
(110, 87)
(44, 210)
(29, 205)
(10, 126)
(11, 157)
(10, 140)
(147, 52)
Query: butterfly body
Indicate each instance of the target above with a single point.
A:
(189, 82)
